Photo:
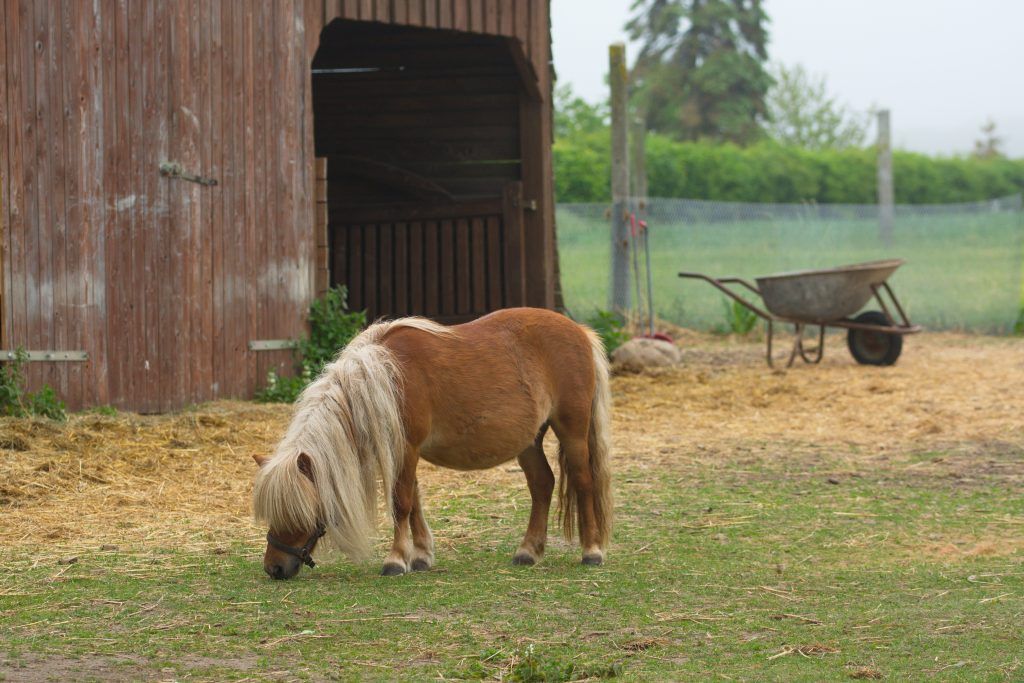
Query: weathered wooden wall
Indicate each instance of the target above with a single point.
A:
(162, 281)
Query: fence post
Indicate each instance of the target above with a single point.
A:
(886, 195)
(619, 295)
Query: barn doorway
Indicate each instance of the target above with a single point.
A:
(422, 135)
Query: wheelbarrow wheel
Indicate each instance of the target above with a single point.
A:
(869, 347)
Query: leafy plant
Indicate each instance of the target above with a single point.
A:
(331, 327)
(738, 318)
(16, 402)
(611, 328)
(1018, 327)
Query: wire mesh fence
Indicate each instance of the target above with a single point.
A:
(963, 261)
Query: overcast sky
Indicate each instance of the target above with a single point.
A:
(943, 67)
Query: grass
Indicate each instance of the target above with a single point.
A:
(963, 271)
(750, 566)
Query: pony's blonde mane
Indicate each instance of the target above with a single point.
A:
(348, 423)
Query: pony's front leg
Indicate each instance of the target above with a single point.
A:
(398, 560)
(422, 538)
(541, 481)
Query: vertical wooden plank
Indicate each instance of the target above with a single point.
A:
(400, 12)
(138, 202)
(323, 272)
(430, 14)
(495, 270)
(476, 15)
(506, 18)
(14, 178)
(492, 13)
(463, 267)
(512, 222)
(35, 204)
(401, 269)
(56, 187)
(445, 13)
(109, 237)
(339, 257)
(385, 270)
(366, 10)
(460, 15)
(239, 322)
(382, 10)
(370, 271)
(355, 266)
(5, 263)
(417, 284)
(349, 10)
(521, 23)
(478, 241)
(123, 333)
(431, 270)
(255, 163)
(447, 270)
(217, 219)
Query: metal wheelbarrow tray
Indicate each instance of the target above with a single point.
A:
(827, 298)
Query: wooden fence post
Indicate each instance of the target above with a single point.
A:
(886, 195)
(619, 295)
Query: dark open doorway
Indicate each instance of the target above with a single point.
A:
(421, 129)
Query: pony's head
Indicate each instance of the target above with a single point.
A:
(286, 499)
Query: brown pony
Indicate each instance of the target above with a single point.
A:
(467, 397)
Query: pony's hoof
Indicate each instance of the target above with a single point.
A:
(392, 569)
(420, 565)
(593, 560)
(524, 559)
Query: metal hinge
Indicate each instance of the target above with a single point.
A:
(42, 356)
(272, 344)
(172, 169)
(526, 204)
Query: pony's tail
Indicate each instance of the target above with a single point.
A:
(599, 447)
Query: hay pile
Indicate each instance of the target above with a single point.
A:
(185, 480)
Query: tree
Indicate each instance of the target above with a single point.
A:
(990, 146)
(803, 114)
(701, 69)
(574, 115)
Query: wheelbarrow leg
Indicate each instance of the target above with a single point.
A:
(818, 353)
(798, 344)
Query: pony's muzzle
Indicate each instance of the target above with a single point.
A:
(283, 569)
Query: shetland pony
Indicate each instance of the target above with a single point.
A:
(467, 397)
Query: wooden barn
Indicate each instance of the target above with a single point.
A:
(180, 179)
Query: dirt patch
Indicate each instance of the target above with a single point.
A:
(184, 480)
(33, 667)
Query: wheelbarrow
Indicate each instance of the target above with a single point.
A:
(827, 298)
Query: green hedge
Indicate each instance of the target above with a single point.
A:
(770, 173)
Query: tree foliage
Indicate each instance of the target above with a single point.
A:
(701, 69)
(803, 114)
(990, 146)
(770, 172)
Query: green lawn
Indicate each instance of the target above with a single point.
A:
(963, 270)
(825, 564)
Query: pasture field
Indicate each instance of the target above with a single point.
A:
(827, 523)
(963, 270)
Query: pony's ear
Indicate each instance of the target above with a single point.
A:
(260, 459)
(305, 466)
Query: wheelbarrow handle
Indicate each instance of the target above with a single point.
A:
(720, 284)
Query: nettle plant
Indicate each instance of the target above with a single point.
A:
(16, 402)
(331, 327)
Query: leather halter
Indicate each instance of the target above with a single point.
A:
(302, 553)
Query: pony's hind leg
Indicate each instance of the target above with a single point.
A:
(541, 481)
(422, 538)
(578, 476)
